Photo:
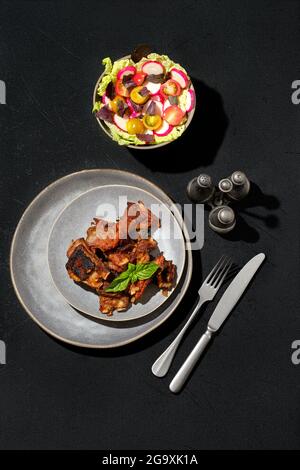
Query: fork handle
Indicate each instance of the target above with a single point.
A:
(189, 364)
(163, 363)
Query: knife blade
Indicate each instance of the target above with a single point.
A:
(234, 291)
(225, 305)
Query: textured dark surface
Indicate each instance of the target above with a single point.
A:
(243, 57)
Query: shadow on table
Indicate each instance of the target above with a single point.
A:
(201, 141)
(160, 332)
(256, 198)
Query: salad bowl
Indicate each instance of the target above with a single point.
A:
(107, 128)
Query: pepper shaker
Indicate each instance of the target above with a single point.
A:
(201, 188)
(222, 219)
(240, 186)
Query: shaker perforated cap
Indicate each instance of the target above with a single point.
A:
(238, 177)
(204, 180)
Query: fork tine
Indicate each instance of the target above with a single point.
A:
(215, 268)
(222, 275)
(219, 270)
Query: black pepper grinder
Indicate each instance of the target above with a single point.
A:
(201, 189)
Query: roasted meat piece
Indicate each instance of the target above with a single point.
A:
(166, 276)
(137, 289)
(84, 266)
(103, 235)
(137, 221)
(113, 301)
(138, 252)
(141, 252)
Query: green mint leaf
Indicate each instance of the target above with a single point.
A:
(146, 270)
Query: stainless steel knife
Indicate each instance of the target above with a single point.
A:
(227, 302)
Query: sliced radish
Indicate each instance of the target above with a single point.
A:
(152, 87)
(130, 70)
(159, 107)
(153, 67)
(165, 129)
(167, 104)
(180, 77)
(190, 100)
(158, 97)
(106, 100)
(120, 122)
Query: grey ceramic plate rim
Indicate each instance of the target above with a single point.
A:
(188, 273)
(141, 147)
(119, 317)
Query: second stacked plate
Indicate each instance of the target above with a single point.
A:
(102, 202)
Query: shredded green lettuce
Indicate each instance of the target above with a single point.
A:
(182, 100)
(97, 106)
(107, 64)
(123, 138)
(176, 132)
(111, 71)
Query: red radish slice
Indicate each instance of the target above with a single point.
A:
(180, 77)
(190, 100)
(158, 97)
(152, 67)
(167, 104)
(120, 122)
(165, 129)
(105, 100)
(159, 107)
(152, 87)
(130, 70)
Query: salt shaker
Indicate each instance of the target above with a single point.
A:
(222, 219)
(240, 186)
(225, 185)
(201, 188)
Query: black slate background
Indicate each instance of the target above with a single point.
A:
(243, 57)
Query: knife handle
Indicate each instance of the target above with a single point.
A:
(189, 364)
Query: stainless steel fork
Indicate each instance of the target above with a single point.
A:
(206, 293)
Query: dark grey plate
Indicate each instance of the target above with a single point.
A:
(72, 223)
(33, 282)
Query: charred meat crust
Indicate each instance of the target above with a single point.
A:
(84, 266)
